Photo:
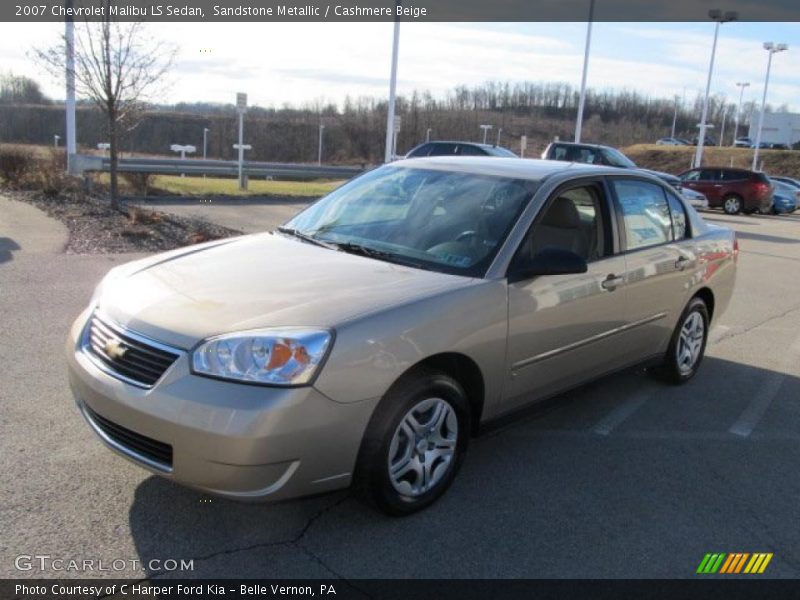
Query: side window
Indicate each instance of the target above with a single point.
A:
(442, 150)
(734, 175)
(709, 175)
(574, 221)
(645, 213)
(470, 151)
(691, 176)
(680, 230)
(559, 153)
(421, 151)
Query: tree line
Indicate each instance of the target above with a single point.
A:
(354, 131)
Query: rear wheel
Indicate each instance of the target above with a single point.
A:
(732, 204)
(687, 345)
(415, 443)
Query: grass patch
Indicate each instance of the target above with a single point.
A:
(213, 186)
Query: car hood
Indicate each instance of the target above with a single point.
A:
(262, 280)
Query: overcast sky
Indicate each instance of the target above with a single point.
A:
(298, 63)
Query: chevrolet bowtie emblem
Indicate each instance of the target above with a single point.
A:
(114, 349)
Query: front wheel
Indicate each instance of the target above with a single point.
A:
(687, 345)
(414, 444)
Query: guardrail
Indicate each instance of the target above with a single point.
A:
(227, 168)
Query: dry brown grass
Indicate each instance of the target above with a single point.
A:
(676, 159)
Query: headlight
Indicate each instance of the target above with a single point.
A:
(267, 356)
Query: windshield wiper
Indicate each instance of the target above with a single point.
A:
(306, 238)
(361, 250)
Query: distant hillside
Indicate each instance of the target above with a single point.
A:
(676, 159)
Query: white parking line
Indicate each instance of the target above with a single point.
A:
(752, 415)
(621, 413)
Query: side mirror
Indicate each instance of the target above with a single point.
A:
(549, 261)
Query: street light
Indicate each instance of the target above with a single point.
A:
(391, 142)
(205, 142)
(499, 133)
(319, 150)
(69, 104)
(486, 129)
(183, 149)
(739, 84)
(56, 137)
(582, 101)
(771, 49)
(428, 134)
(720, 18)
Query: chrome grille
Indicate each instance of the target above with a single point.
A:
(126, 355)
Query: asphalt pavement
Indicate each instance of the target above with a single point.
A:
(625, 477)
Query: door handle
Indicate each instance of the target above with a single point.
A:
(611, 282)
(681, 263)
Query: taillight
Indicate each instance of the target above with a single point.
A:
(761, 188)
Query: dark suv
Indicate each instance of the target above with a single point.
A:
(459, 149)
(734, 190)
(595, 154)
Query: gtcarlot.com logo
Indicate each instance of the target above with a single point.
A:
(724, 563)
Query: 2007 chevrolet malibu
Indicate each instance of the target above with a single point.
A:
(367, 339)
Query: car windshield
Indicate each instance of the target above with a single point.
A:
(452, 222)
(617, 159)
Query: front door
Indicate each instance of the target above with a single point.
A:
(565, 329)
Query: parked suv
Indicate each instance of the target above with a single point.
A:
(734, 190)
(459, 149)
(595, 154)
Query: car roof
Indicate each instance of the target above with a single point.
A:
(478, 144)
(515, 168)
(582, 144)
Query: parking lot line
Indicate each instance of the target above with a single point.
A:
(751, 415)
(622, 412)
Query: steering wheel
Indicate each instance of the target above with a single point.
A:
(464, 235)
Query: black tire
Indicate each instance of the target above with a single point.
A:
(372, 478)
(671, 370)
(732, 204)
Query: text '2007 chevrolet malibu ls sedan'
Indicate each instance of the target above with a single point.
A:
(368, 338)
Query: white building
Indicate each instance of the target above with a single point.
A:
(779, 128)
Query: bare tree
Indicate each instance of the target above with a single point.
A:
(119, 67)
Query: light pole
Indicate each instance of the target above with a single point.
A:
(428, 134)
(720, 18)
(582, 100)
(319, 149)
(56, 137)
(499, 133)
(205, 142)
(674, 117)
(771, 49)
(722, 129)
(69, 39)
(390, 132)
(486, 129)
(739, 84)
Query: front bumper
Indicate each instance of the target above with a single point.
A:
(246, 442)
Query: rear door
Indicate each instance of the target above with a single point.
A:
(660, 260)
